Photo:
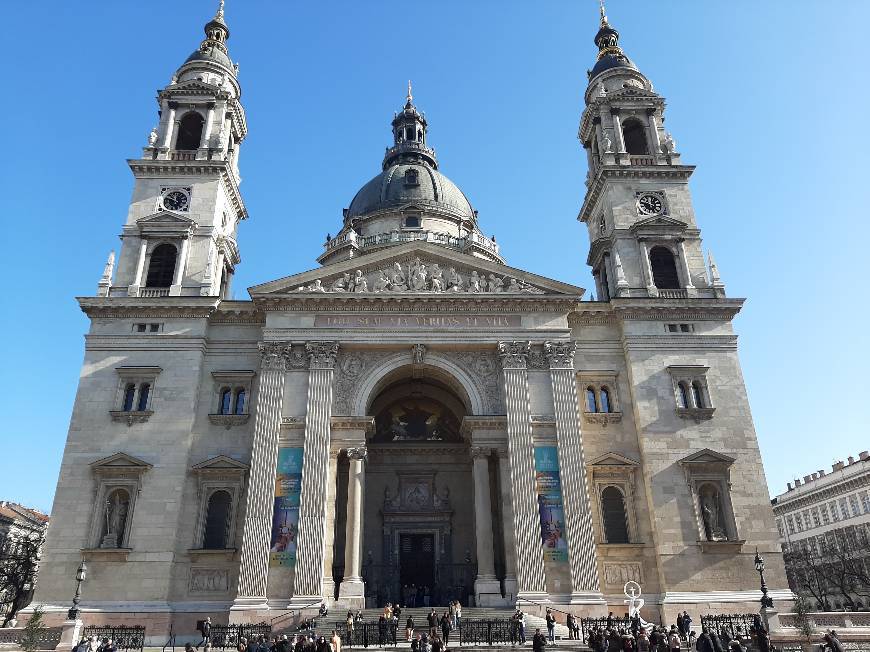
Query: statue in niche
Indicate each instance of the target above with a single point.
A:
(607, 143)
(711, 512)
(418, 276)
(117, 505)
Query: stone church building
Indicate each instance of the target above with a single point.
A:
(414, 417)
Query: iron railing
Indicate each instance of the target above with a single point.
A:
(731, 624)
(124, 637)
(228, 636)
(474, 631)
(588, 625)
(365, 634)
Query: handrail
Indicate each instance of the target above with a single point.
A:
(299, 609)
(543, 604)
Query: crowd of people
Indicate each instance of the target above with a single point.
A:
(615, 637)
(93, 644)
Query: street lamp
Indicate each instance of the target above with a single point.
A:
(81, 576)
(766, 600)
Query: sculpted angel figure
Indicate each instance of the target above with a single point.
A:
(152, 138)
(495, 284)
(607, 143)
(399, 283)
(474, 282)
(382, 282)
(360, 284)
(454, 280)
(342, 284)
(437, 278)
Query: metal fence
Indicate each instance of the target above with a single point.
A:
(228, 636)
(366, 634)
(124, 637)
(731, 623)
(473, 631)
(588, 625)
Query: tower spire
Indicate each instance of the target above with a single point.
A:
(603, 12)
(220, 12)
(410, 96)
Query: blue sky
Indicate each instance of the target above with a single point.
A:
(768, 99)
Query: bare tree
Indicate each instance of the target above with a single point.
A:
(19, 564)
(808, 575)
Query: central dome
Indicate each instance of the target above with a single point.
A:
(404, 183)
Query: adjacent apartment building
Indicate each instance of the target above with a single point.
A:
(824, 527)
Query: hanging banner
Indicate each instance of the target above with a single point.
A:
(285, 521)
(548, 486)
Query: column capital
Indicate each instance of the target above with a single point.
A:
(560, 355)
(357, 453)
(480, 452)
(514, 355)
(274, 355)
(321, 355)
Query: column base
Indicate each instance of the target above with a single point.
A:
(175, 290)
(245, 611)
(589, 598)
(305, 601)
(71, 634)
(511, 586)
(352, 592)
(532, 597)
(487, 591)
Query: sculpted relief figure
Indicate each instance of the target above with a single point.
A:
(360, 284)
(437, 277)
(474, 282)
(382, 283)
(398, 281)
(342, 284)
(454, 280)
(117, 505)
(418, 276)
(495, 284)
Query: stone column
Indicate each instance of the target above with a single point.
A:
(307, 581)
(352, 590)
(486, 586)
(617, 130)
(507, 512)
(133, 290)
(585, 588)
(329, 540)
(180, 265)
(655, 141)
(645, 266)
(260, 501)
(169, 128)
(531, 578)
(682, 244)
(206, 131)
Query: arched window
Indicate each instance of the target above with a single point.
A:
(190, 131)
(226, 400)
(409, 133)
(664, 268)
(698, 395)
(161, 269)
(144, 392)
(613, 514)
(604, 399)
(683, 396)
(239, 407)
(129, 397)
(217, 521)
(634, 137)
(591, 405)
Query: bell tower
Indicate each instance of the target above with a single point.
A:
(179, 238)
(644, 240)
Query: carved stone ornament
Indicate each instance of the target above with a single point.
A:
(602, 418)
(321, 355)
(358, 453)
(420, 276)
(229, 420)
(514, 355)
(208, 580)
(480, 452)
(560, 354)
(274, 355)
(120, 416)
(418, 353)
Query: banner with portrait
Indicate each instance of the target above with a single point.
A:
(285, 520)
(548, 486)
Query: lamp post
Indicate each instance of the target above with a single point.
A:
(766, 600)
(81, 576)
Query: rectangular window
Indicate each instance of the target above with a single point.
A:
(817, 521)
(844, 508)
(154, 328)
(853, 501)
(825, 518)
(673, 328)
(865, 501)
(139, 328)
(686, 328)
(790, 521)
(835, 513)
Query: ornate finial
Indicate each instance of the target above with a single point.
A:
(603, 13)
(220, 12)
(410, 96)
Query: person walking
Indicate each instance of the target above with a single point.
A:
(551, 626)
(349, 623)
(687, 624)
(335, 641)
(432, 619)
(704, 642)
(521, 621)
(539, 641)
(445, 628)
(409, 629)
(458, 610)
(205, 630)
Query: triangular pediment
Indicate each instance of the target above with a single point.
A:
(165, 217)
(707, 456)
(416, 268)
(121, 461)
(222, 463)
(659, 223)
(613, 459)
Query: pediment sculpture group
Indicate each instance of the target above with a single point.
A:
(422, 277)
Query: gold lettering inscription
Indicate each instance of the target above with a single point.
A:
(418, 322)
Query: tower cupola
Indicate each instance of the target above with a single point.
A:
(409, 137)
(610, 55)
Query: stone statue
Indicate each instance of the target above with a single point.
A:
(495, 284)
(670, 146)
(514, 286)
(342, 284)
(474, 282)
(399, 283)
(360, 284)
(382, 283)
(317, 286)
(711, 512)
(418, 276)
(602, 91)
(152, 138)
(116, 519)
(437, 278)
(607, 143)
(454, 280)
(418, 353)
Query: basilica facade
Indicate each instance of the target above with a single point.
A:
(414, 417)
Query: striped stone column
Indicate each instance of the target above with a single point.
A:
(585, 587)
(531, 579)
(307, 582)
(260, 502)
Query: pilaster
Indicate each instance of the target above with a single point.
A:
(531, 578)
(256, 533)
(585, 587)
(307, 581)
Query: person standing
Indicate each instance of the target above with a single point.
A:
(674, 642)
(551, 626)
(521, 621)
(335, 641)
(349, 622)
(832, 642)
(569, 623)
(687, 624)
(445, 628)
(704, 642)
(205, 630)
(458, 610)
(409, 629)
(539, 641)
(432, 620)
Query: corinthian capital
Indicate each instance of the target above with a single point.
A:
(514, 355)
(274, 355)
(560, 355)
(358, 453)
(321, 355)
(480, 452)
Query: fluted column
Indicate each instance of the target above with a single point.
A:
(582, 563)
(531, 578)
(307, 582)
(260, 502)
(507, 514)
(352, 588)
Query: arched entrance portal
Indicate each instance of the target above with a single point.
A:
(418, 522)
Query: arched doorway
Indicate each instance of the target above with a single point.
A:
(418, 523)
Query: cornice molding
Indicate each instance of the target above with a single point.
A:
(129, 307)
(411, 303)
(608, 172)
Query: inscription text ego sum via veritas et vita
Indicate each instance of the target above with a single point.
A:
(418, 321)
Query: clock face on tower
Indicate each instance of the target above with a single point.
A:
(176, 199)
(649, 204)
